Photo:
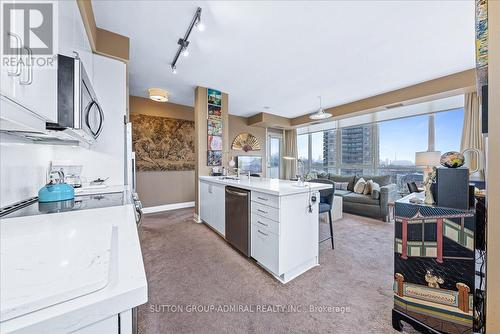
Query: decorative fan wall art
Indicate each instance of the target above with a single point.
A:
(246, 142)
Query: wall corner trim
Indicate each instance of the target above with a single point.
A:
(103, 42)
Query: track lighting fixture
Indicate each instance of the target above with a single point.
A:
(183, 42)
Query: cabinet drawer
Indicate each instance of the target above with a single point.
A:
(266, 211)
(265, 248)
(266, 224)
(266, 199)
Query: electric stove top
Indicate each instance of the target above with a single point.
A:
(32, 207)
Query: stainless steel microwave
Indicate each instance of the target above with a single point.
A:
(78, 110)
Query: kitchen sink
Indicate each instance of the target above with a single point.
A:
(228, 178)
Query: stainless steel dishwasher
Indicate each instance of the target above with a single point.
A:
(238, 218)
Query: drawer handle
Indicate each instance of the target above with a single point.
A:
(261, 223)
(262, 198)
(261, 211)
(262, 233)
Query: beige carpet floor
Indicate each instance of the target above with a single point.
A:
(194, 277)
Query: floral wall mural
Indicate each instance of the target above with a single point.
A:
(162, 144)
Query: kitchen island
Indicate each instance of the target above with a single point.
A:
(283, 220)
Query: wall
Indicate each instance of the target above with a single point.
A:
(161, 188)
(24, 170)
(239, 125)
(493, 176)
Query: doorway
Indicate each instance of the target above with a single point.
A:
(274, 150)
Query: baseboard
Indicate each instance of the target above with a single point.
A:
(167, 207)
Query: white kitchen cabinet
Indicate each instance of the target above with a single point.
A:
(73, 37)
(108, 326)
(265, 247)
(32, 83)
(117, 324)
(284, 234)
(212, 206)
(284, 221)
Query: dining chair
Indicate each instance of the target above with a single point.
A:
(412, 187)
(326, 204)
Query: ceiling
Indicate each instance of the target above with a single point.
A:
(283, 54)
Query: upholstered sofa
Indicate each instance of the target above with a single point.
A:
(365, 205)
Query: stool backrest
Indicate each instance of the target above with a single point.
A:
(326, 195)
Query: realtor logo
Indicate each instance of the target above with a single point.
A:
(28, 25)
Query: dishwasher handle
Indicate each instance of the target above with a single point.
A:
(236, 193)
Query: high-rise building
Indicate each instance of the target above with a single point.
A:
(357, 146)
(329, 148)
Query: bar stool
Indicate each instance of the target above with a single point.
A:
(326, 204)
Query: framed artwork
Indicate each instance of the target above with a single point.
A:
(214, 158)
(162, 143)
(214, 143)
(214, 112)
(214, 97)
(214, 127)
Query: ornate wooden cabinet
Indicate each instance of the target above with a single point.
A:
(434, 267)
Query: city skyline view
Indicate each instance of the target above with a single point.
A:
(399, 139)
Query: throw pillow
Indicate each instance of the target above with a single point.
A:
(310, 176)
(341, 185)
(359, 187)
(368, 188)
(375, 190)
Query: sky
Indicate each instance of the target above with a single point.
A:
(401, 138)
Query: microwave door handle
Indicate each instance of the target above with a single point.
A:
(101, 118)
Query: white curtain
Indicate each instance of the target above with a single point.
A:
(471, 133)
(290, 166)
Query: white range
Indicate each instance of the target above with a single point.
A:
(284, 220)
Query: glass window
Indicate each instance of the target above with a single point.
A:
(385, 148)
(274, 159)
(303, 153)
(317, 144)
(448, 126)
(330, 150)
(399, 139)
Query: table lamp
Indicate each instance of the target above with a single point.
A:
(427, 159)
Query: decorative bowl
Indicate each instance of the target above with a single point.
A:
(452, 159)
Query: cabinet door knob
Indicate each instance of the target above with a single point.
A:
(29, 81)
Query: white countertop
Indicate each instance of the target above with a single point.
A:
(270, 186)
(63, 271)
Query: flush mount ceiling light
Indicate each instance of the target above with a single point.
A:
(158, 94)
(320, 114)
(183, 42)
